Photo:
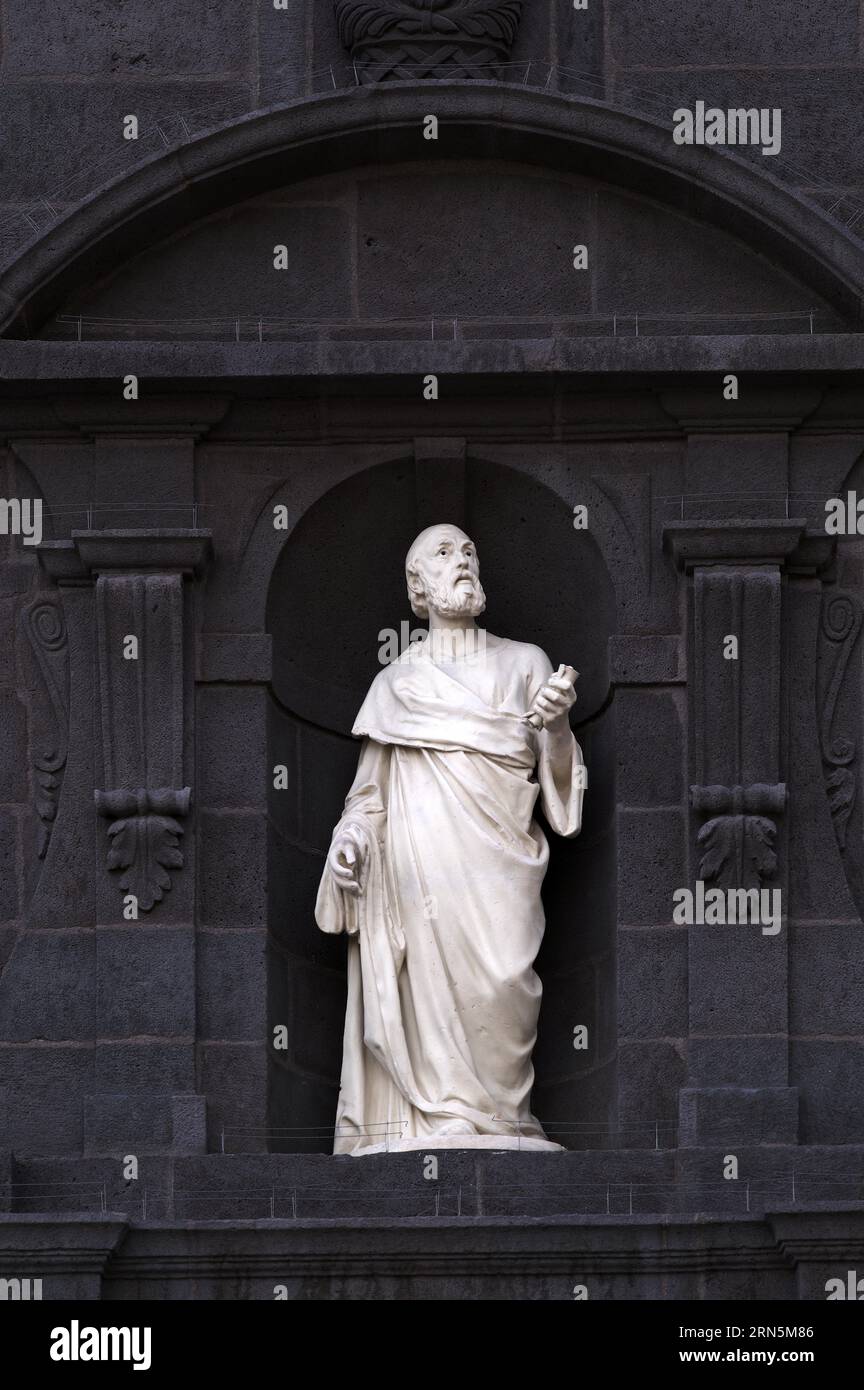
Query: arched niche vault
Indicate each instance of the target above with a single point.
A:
(493, 123)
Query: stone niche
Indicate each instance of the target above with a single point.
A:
(344, 556)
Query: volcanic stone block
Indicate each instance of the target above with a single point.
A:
(821, 136)
(127, 1123)
(98, 38)
(48, 989)
(728, 1061)
(284, 47)
(234, 1079)
(235, 656)
(224, 266)
(5, 1179)
(579, 42)
(188, 1124)
(144, 1066)
(738, 1115)
(653, 721)
(77, 1185)
(145, 981)
(232, 726)
(10, 609)
(652, 982)
(737, 980)
(649, 1077)
(722, 475)
(826, 979)
(533, 37)
(636, 660)
(456, 243)
(8, 940)
(651, 864)
(81, 142)
(233, 852)
(831, 1078)
(671, 33)
(128, 471)
(8, 867)
(13, 742)
(232, 984)
(41, 1098)
(710, 272)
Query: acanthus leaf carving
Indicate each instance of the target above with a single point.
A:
(737, 849)
(144, 835)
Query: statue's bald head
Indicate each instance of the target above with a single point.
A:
(443, 572)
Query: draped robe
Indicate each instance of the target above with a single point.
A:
(443, 999)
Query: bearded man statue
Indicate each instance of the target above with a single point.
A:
(435, 870)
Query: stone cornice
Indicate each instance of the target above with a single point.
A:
(209, 364)
(91, 553)
(734, 542)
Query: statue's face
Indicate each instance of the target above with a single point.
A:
(447, 565)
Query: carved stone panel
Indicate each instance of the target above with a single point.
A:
(405, 40)
(736, 570)
(45, 628)
(737, 976)
(841, 626)
(140, 643)
(141, 667)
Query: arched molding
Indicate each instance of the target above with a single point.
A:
(383, 125)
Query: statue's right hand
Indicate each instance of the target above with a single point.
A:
(345, 861)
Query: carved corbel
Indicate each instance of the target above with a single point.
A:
(736, 845)
(736, 656)
(141, 667)
(139, 623)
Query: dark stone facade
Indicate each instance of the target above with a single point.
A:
(303, 388)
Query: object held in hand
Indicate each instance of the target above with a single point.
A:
(534, 717)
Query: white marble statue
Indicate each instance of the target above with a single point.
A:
(435, 869)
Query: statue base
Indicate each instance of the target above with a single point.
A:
(497, 1142)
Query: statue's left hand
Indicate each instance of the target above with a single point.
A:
(554, 702)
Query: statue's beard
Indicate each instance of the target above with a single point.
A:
(456, 600)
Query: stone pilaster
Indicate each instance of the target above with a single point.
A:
(738, 1074)
(145, 1096)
